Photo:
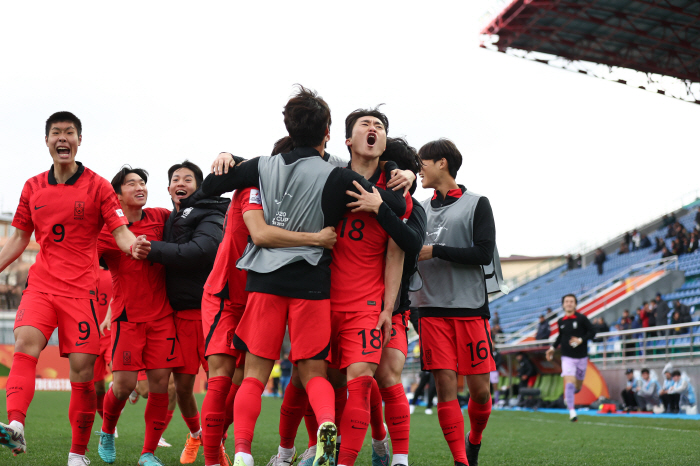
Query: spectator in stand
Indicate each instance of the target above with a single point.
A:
(525, 369)
(676, 318)
(645, 242)
(644, 314)
(570, 262)
(683, 310)
(697, 219)
(662, 310)
(660, 244)
(625, 323)
(669, 400)
(599, 259)
(624, 248)
(629, 394)
(627, 239)
(495, 320)
(286, 370)
(579, 261)
(550, 314)
(648, 392)
(636, 240)
(682, 388)
(665, 221)
(495, 330)
(542, 329)
(600, 327)
(651, 313)
(693, 242)
(666, 253)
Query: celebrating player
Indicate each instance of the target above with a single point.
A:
(575, 331)
(66, 207)
(453, 302)
(143, 333)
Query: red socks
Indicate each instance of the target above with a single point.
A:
(156, 410)
(291, 412)
(112, 410)
(376, 416)
(246, 410)
(398, 418)
(168, 418)
(100, 404)
(320, 393)
(20, 386)
(214, 418)
(355, 419)
(81, 413)
(228, 412)
(478, 418)
(341, 399)
(192, 423)
(311, 425)
(452, 424)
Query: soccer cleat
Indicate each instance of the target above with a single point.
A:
(133, 397)
(428, 411)
(77, 460)
(163, 443)
(106, 448)
(380, 450)
(224, 459)
(325, 446)
(189, 453)
(239, 461)
(472, 451)
(572, 415)
(276, 461)
(149, 459)
(12, 438)
(411, 409)
(307, 458)
(459, 463)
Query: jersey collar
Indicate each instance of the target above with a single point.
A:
(374, 179)
(572, 316)
(72, 180)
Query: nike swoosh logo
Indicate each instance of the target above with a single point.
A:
(215, 425)
(474, 365)
(37, 207)
(356, 427)
(170, 359)
(155, 428)
(81, 344)
(397, 423)
(365, 353)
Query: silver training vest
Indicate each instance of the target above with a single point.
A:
(291, 199)
(449, 284)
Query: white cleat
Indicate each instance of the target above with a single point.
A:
(77, 460)
(12, 437)
(163, 443)
(572, 415)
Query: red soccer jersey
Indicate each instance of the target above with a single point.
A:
(231, 248)
(359, 256)
(66, 220)
(138, 286)
(104, 296)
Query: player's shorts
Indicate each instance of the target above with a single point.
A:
(145, 345)
(355, 338)
(103, 359)
(399, 332)
(76, 319)
(262, 328)
(494, 377)
(191, 339)
(575, 367)
(457, 344)
(220, 318)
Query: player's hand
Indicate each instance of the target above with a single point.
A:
(401, 179)
(550, 354)
(140, 248)
(222, 163)
(105, 325)
(384, 323)
(426, 253)
(575, 341)
(366, 201)
(327, 237)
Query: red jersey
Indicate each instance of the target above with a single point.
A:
(359, 256)
(138, 286)
(66, 220)
(104, 296)
(225, 277)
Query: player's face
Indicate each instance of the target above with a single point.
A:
(63, 142)
(430, 173)
(134, 191)
(569, 304)
(645, 376)
(368, 137)
(182, 185)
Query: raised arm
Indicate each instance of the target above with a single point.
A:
(267, 236)
(14, 247)
(240, 176)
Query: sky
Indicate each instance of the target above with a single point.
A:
(566, 160)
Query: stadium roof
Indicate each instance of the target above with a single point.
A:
(651, 36)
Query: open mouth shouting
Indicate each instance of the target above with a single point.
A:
(181, 193)
(371, 139)
(63, 151)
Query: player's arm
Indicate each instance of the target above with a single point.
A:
(14, 247)
(555, 345)
(481, 253)
(130, 245)
(395, 200)
(241, 175)
(393, 270)
(268, 236)
(201, 248)
(107, 323)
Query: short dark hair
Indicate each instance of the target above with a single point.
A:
(405, 156)
(442, 149)
(198, 176)
(676, 373)
(352, 118)
(119, 178)
(306, 117)
(645, 371)
(566, 296)
(283, 145)
(62, 117)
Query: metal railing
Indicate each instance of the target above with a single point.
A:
(7, 323)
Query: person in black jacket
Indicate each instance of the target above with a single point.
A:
(191, 237)
(599, 259)
(542, 329)
(575, 331)
(525, 369)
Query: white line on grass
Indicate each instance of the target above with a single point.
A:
(609, 425)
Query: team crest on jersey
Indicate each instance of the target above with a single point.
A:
(120, 213)
(79, 210)
(20, 315)
(229, 337)
(575, 325)
(127, 358)
(187, 211)
(254, 197)
(428, 356)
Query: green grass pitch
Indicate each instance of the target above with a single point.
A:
(512, 438)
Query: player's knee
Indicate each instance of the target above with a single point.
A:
(481, 395)
(27, 345)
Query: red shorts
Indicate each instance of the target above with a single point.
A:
(399, 332)
(145, 345)
(189, 335)
(220, 318)
(262, 328)
(103, 359)
(142, 376)
(463, 346)
(355, 338)
(76, 319)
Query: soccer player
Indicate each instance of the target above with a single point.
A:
(191, 237)
(453, 302)
(143, 333)
(65, 207)
(300, 192)
(104, 359)
(575, 331)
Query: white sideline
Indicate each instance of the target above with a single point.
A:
(609, 425)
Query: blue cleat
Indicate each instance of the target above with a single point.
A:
(106, 448)
(149, 459)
